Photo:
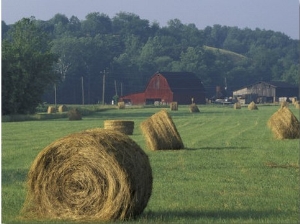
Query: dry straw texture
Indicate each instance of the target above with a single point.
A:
(252, 106)
(74, 115)
(284, 124)
(173, 106)
(51, 110)
(125, 127)
(237, 106)
(194, 108)
(62, 108)
(94, 175)
(160, 132)
(121, 105)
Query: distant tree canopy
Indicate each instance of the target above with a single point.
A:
(131, 50)
(26, 68)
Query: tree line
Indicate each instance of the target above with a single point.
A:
(95, 59)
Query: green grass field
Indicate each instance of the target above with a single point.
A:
(232, 170)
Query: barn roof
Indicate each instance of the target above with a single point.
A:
(280, 84)
(171, 86)
(182, 81)
(276, 84)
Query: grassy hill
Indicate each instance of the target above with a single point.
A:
(230, 54)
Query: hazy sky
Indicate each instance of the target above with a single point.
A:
(276, 15)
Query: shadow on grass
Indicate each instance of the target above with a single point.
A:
(218, 148)
(13, 175)
(234, 214)
(174, 216)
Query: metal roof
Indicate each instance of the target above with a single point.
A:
(276, 84)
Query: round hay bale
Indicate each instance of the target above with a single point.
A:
(284, 104)
(62, 108)
(51, 110)
(93, 175)
(297, 104)
(284, 124)
(252, 106)
(121, 105)
(74, 115)
(160, 132)
(194, 108)
(125, 127)
(237, 106)
(174, 106)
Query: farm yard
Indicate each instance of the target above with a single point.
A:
(231, 170)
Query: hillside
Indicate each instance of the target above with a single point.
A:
(129, 50)
(235, 57)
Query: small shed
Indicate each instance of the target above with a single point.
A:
(266, 92)
(166, 87)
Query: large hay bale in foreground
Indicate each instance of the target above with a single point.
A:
(51, 110)
(93, 175)
(62, 108)
(194, 108)
(125, 127)
(252, 106)
(160, 132)
(237, 106)
(284, 124)
(174, 106)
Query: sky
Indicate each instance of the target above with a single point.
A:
(276, 15)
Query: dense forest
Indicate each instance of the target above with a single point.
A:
(100, 57)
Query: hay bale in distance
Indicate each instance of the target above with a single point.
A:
(297, 104)
(160, 132)
(74, 115)
(121, 105)
(174, 106)
(51, 110)
(252, 106)
(284, 124)
(62, 108)
(194, 108)
(125, 127)
(284, 104)
(93, 175)
(237, 106)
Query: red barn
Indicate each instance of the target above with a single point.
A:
(167, 87)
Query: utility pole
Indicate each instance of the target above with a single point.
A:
(121, 88)
(82, 90)
(103, 86)
(116, 91)
(55, 94)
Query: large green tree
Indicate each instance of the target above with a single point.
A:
(26, 68)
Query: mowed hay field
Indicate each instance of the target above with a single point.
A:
(232, 169)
